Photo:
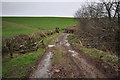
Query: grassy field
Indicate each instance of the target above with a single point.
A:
(11, 29)
(23, 25)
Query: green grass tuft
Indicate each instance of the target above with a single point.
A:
(73, 41)
(49, 38)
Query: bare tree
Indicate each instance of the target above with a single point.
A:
(112, 7)
(98, 24)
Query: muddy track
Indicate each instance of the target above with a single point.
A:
(74, 65)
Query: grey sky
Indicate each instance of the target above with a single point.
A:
(50, 0)
(40, 8)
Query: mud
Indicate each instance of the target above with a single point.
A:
(75, 64)
(42, 70)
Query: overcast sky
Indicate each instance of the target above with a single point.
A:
(60, 8)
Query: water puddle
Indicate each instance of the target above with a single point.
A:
(66, 40)
(74, 53)
(61, 43)
(42, 70)
(66, 43)
(51, 45)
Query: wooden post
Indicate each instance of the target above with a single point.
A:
(43, 43)
(57, 30)
(11, 49)
(9, 46)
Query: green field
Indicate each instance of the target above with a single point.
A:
(23, 25)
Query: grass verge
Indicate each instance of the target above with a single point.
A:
(19, 67)
(105, 56)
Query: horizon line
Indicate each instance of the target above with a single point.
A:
(33, 16)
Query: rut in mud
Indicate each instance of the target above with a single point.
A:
(61, 61)
(42, 70)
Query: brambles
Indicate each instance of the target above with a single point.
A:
(99, 25)
(24, 43)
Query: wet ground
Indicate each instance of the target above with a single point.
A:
(62, 60)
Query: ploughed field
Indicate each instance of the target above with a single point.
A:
(12, 26)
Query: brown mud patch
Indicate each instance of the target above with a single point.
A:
(105, 68)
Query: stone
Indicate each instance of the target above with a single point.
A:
(57, 70)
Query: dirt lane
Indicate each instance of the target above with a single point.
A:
(61, 61)
(87, 70)
(43, 67)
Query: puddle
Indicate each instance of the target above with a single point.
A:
(66, 40)
(67, 44)
(42, 70)
(51, 45)
(61, 43)
(73, 52)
